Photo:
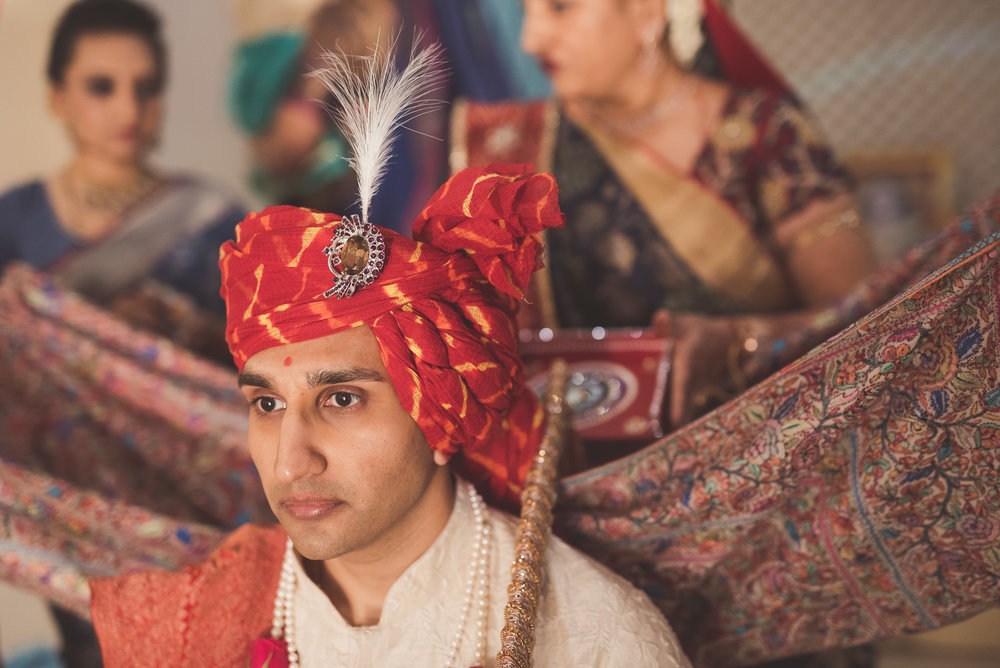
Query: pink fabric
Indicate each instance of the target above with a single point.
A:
(208, 614)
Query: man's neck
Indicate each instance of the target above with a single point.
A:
(358, 583)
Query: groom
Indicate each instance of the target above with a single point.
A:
(385, 396)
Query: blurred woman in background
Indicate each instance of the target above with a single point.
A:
(701, 199)
(108, 224)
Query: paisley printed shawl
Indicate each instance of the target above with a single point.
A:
(853, 496)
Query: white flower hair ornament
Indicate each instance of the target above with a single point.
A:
(684, 23)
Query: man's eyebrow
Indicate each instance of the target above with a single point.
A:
(254, 379)
(353, 374)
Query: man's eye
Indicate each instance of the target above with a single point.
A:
(344, 399)
(266, 404)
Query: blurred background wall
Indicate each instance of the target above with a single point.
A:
(886, 75)
(907, 91)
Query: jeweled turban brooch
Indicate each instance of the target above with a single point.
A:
(356, 255)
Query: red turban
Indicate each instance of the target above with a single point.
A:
(442, 309)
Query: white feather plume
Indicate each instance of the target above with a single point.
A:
(374, 99)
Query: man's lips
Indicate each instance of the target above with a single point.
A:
(302, 507)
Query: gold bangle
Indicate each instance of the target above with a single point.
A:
(823, 228)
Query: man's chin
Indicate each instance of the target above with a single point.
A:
(316, 542)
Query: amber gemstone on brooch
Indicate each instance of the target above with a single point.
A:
(355, 256)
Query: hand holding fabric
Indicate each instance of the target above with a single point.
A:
(704, 371)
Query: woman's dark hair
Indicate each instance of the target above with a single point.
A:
(94, 17)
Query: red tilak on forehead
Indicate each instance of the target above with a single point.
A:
(288, 361)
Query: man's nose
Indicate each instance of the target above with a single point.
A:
(298, 454)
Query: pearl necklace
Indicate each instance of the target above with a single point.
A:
(477, 584)
(476, 590)
(284, 606)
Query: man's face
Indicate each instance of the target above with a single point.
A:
(344, 466)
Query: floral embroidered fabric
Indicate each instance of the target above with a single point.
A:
(852, 496)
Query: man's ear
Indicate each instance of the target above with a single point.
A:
(440, 458)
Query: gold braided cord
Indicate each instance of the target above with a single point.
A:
(517, 639)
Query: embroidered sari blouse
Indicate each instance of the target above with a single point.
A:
(614, 264)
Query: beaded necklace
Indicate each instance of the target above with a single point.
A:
(476, 593)
(662, 109)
